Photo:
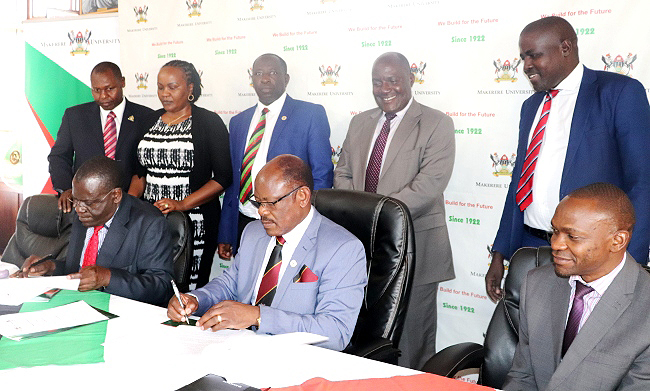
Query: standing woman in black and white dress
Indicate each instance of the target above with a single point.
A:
(184, 159)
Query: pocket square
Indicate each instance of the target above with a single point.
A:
(305, 275)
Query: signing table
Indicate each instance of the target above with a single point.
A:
(139, 353)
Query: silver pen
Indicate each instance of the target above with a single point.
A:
(178, 296)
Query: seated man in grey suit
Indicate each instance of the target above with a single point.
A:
(295, 270)
(118, 243)
(584, 321)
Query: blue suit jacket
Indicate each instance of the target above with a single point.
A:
(608, 142)
(329, 306)
(305, 133)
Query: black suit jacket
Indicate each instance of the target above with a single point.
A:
(81, 137)
(137, 249)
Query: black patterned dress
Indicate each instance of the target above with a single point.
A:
(167, 152)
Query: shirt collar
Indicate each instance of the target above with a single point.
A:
(298, 231)
(276, 106)
(118, 111)
(601, 284)
(572, 82)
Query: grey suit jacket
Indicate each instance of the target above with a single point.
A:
(417, 168)
(612, 349)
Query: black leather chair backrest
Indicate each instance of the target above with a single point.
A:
(502, 333)
(383, 224)
(180, 227)
(41, 229)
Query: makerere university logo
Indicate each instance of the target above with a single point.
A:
(329, 75)
(619, 65)
(141, 80)
(79, 42)
(502, 166)
(141, 14)
(418, 72)
(257, 5)
(506, 71)
(194, 7)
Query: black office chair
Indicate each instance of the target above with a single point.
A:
(41, 229)
(494, 357)
(384, 226)
(181, 229)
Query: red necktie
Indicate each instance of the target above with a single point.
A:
(90, 256)
(573, 323)
(524, 195)
(246, 182)
(374, 164)
(110, 136)
(269, 283)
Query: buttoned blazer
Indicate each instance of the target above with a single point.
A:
(416, 170)
(328, 307)
(137, 249)
(302, 129)
(611, 350)
(608, 142)
(81, 137)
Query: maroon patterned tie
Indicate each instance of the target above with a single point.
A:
(374, 164)
(110, 136)
(269, 283)
(575, 315)
(524, 195)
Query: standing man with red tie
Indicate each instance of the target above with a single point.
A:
(108, 126)
(581, 127)
(405, 150)
(118, 244)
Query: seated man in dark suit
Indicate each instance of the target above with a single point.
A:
(313, 280)
(118, 243)
(108, 126)
(584, 321)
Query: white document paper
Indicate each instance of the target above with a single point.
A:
(16, 326)
(15, 291)
(9, 267)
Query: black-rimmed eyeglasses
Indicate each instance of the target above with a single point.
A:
(258, 204)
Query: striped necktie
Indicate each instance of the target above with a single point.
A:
(246, 181)
(269, 283)
(110, 136)
(524, 194)
(573, 323)
(374, 164)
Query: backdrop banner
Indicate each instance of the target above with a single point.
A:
(465, 59)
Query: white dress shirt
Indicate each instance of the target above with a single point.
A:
(550, 162)
(260, 159)
(119, 114)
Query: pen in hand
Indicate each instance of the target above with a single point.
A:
(180, 301)
(23, 274)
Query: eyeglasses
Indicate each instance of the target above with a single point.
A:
(268, 204)
(88, 204)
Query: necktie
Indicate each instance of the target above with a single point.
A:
(110, 136)
(524, 195)
(90, 256)
(269, 283)
(575, 315)
(246, 183)
(374, 164)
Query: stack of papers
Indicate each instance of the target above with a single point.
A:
(16, 291)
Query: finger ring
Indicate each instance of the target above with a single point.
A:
(219, 319)
(166, 205)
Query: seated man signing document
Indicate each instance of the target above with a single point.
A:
(295, 270)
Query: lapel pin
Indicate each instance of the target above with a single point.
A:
(293, 263)
(284, 117)
(131, 118)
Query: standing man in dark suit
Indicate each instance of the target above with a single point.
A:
(405, 150)
(277, 125)
(583, 321)
(582, 126)
(89, 129)
(118, 243)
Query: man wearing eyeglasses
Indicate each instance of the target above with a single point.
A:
(118, 244)
(295, 270)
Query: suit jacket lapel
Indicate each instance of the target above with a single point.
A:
(73, 259)
(281, 126)
(259, 262)
(610, 307)
(406, 126)
(365, 146)
(96, 134)
(127, 132)
(307, 241)
(557, 310)
(579, 125)
(117, 232)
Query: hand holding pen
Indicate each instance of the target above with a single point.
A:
(35, 266)
(183, 312)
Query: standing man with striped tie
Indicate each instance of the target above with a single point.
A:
(277, 124)
(405, 150)
(580, 127)
(108, 126)
(295, 271)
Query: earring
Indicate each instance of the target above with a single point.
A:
(191, 98)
